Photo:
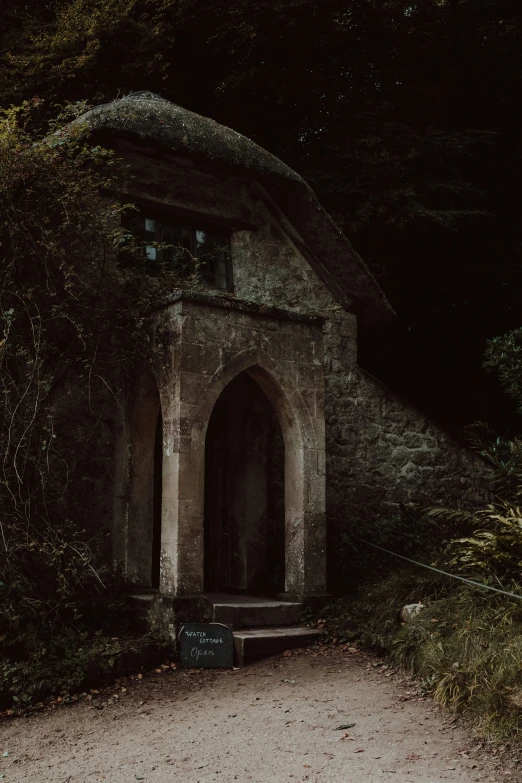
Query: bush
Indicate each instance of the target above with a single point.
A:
(68, 663)
(73, 336)
(465, 646)
(413, 534)
(75, 662)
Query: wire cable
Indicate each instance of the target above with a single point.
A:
(438, 570)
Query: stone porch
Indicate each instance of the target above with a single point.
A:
(202, 343)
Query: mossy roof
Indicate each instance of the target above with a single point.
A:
(158, 121)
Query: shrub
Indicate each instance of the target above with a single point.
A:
(73, 335)
(465, 647)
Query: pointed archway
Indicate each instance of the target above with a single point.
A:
(201, 349)
(182, 534)
(244, 548)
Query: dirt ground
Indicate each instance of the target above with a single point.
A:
(276, 721)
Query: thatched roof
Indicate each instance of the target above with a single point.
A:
(159, 121)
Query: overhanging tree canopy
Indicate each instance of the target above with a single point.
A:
(400, 115)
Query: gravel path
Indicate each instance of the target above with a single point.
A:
(273, 722)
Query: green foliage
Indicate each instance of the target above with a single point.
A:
(493, 551)
(489, 546)
(465, 647)
(73, 334)
(409, 533)
(71, 662)
(52, 316)
(504, 357)
(506, 459)
(375, 624)
(62, 667)
(400, 114)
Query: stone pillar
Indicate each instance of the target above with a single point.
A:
(302, 420)
(305, 527)
(181, 565)
(187, 366)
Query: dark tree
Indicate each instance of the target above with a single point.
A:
(401, 115)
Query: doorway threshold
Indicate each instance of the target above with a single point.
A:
(248, 611)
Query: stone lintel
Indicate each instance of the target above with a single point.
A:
(229, 302)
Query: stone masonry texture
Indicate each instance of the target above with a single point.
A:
(383, 457)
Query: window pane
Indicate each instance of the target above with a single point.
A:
(213, 258)
(183, 249)
(177, 250)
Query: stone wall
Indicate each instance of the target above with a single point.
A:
(383, 456)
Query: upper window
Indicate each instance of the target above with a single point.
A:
(188, 249)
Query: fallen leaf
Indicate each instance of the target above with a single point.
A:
(345, 726)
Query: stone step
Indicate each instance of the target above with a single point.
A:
(254, 643)
(242, 611)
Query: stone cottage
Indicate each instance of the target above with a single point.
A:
(258, 438)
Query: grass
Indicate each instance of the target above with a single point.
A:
(465, 647)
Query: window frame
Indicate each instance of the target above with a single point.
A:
(193, 222)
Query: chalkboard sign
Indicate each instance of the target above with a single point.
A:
(208, 645)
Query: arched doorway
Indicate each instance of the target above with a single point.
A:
(244, 520)
(187, 407)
